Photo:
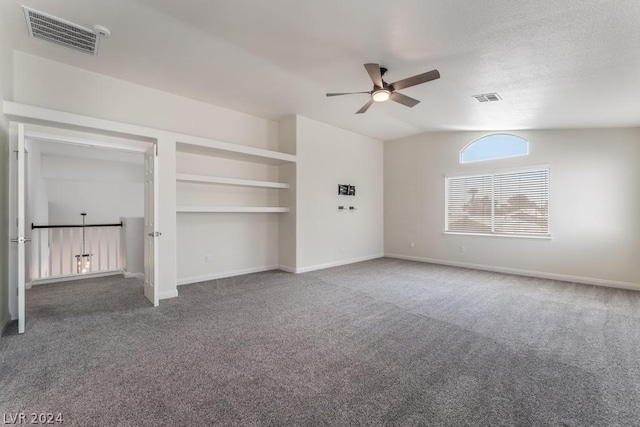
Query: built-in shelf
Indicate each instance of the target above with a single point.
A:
(185, 177)
(226, 209)
(209, 147)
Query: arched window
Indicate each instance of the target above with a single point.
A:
(496, 146)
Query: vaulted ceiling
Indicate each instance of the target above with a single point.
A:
(556, 64)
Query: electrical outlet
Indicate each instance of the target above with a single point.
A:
(207, 258)
(341, 248)
(462, 249)
(412, 244)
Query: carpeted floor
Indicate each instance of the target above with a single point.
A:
(384, 342)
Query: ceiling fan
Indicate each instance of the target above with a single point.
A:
(383, 91)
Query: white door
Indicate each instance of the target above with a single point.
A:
(151, 233)
(18, 236)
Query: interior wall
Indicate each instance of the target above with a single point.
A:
(49, 84)
(287, 234)
(594, 205)
(38, 198)
(235, 243)
(6, 93)
(328, 156)
(132, 246)
(105, 190)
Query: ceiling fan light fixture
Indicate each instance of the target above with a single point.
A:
(380, 95)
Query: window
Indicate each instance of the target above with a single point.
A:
(496, 146)
(510, 203)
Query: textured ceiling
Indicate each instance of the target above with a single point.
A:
(563, 64)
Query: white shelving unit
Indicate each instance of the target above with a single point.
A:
(209, 147)
(185, 177)
(227, 209)
(212, 148)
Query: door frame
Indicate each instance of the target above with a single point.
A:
(16, 301)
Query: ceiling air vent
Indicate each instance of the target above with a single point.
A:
(487, 97)
(55, 30)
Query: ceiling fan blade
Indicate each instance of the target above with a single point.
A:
(416, 80)
(374, 73)
(344, 93)
(365, 107)
(404, 99)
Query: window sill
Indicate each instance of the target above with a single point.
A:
(511, 236)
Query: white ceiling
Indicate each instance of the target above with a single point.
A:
(556, 64)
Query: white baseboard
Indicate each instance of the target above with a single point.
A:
(287, 268)
(73, 277)
(520, 272)
(168, 294)
(128, 275)
(223, 274)
(337, 263)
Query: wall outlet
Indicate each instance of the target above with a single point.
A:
(207, 258)
(341, 248)
(412, 244)
(463, 249)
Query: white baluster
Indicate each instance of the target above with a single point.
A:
(99, 248)
(50, 237)
(108, 239)
(61, 246)
(71, 258)
(117, 236)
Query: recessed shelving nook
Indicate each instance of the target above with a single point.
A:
(185, 177)
(220, 177)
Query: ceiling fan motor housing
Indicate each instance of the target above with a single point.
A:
(383, 91)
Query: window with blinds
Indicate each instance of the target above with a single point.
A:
(508, 203)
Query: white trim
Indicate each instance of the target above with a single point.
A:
(67, 278)
(68, 140)
(494, 158)
(287, 269)
(128, 275)
(520, 272)
(338, 263)
(18, 112)
(224, 274)
(168, 294)
(185, 143)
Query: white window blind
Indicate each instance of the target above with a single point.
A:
(510, 203)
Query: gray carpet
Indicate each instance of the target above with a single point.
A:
(383, 342)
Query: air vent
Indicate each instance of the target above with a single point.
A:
(58, 31)
(487, 97)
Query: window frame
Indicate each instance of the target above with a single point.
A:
(460, 160)
(493, 172)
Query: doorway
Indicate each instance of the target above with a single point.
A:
(48, 245)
